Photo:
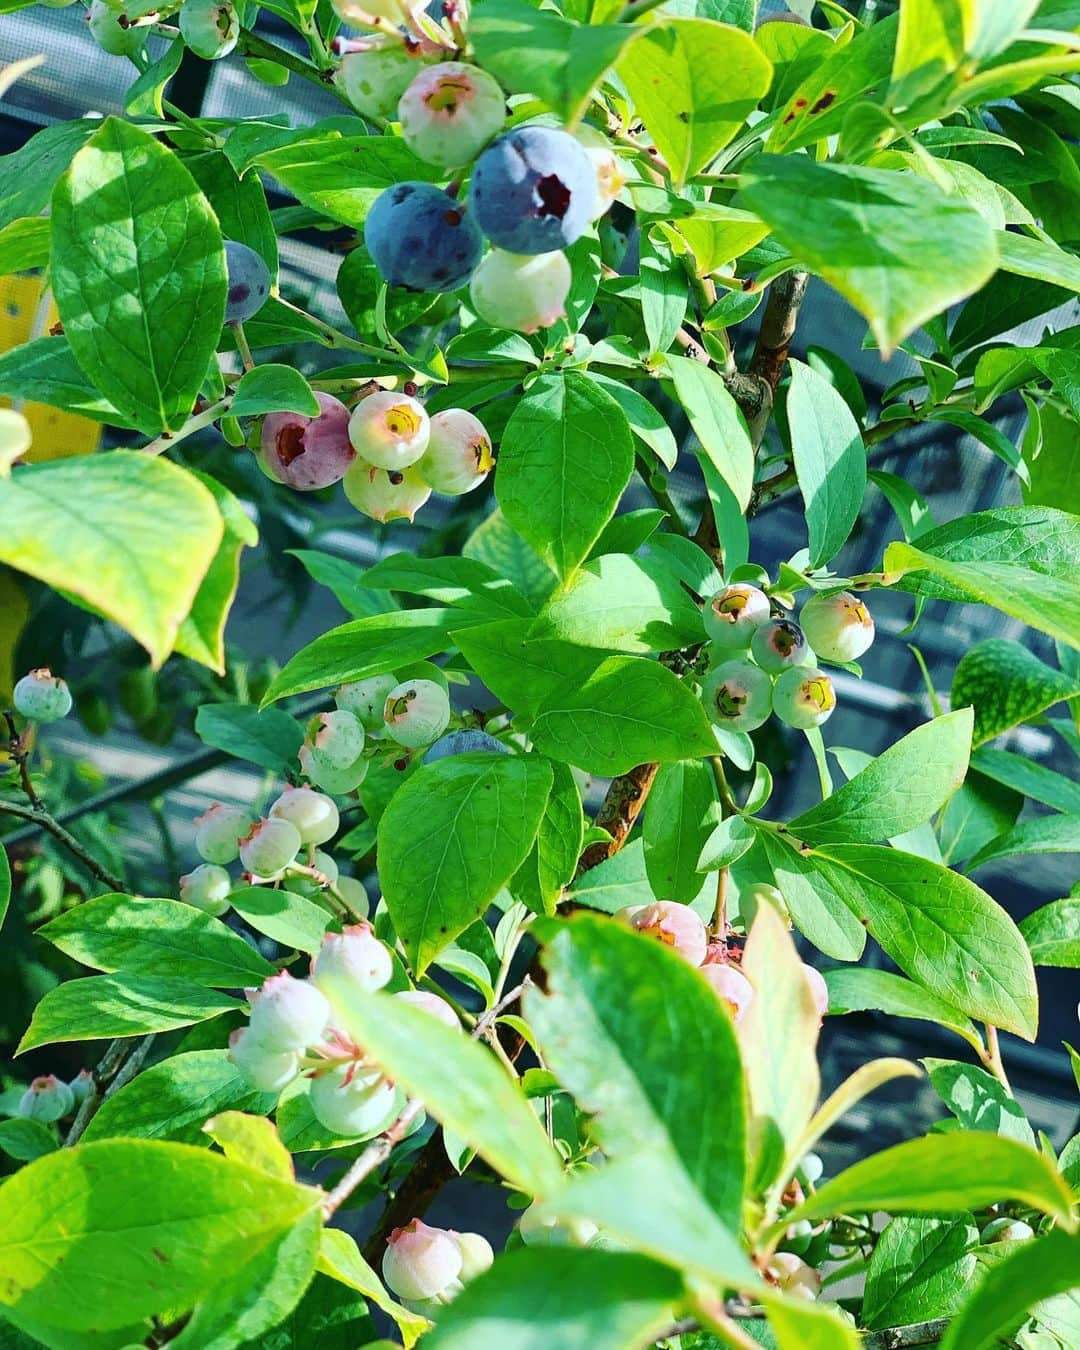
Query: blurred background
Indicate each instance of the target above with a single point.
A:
(132, 775)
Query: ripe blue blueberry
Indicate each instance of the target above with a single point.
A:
(534, 190)
(778, 645)
(421, 238)
(737, 695)
(210, 28)
(461, 742)
(249, 282)
(42, 696)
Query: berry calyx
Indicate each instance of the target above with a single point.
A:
(42, 696)
(733, 615)
(416, 712)
(838, 627)
(519, 291)
(287, 1014)
(421, 1262)
(534, 190)
(269, 846)
(218, 832)
(422, 239)
(352, 961)
(449, 113)
(804, 697)
(46, 1099)
(737, 695)
(676, 926)
(385, 494)
(313, 813)
(308, 453)
(458, 457)
(249, 282)
(365, 699)
(389, 430)
(207, 887)
(778, 645)
(352, 1101)
(267, 1070)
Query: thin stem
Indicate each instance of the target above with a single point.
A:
(636, 9)
(992, 1057)
(488, 1019)
(660, 494)
(20, 757)
(39, 816)
(372, 1157)
(242, 346)
(251, 45)
(117, 1066)
(196, 423)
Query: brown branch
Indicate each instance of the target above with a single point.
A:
(620, 808)
(118, 1065)
(20, 756)
(39, 816)
(774, 342)
(901, 1338)
(372, 1157)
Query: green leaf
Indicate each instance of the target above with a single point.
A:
(141, 937)
(658, 1069)
(531, 51)
(664, 291)
(138, 272)
(538, 1298)
(202, 634)
(1034, 1271)
(726, 844)
(358, 286)
(272, 388)
(109, 529)
(628, 711)
(340, 176)
(899, 790)
(1006, 684)
(921, 1268)
(251, 1139)
(978, 1100)
(1055, 471)
(283, 916)
(615, 883)
(815, 898)
(523, 672)
(365, 647)
(978, 811)
(239, 204)
(778, 1035)
(717, 423)
(27, 176)
(1039, 260)
(460, 1083)
(624, 604)
(858, 989)
(5, 884)
(449, 581)
(340, 1259)
(132, 1227)
(267, 737)
(345, 579)
(45, 371)
(451, 838)
(1048, 603)
(494, 542)
(1028, 778)
(1043, 834)
(175, 1099)
(103, 1006)
(799, 1325)
(24, 244)
(681, 814)
(24, 1140)
(566, 456)
(693, 83)
(1052, 933)
(893, 244)
(550, 866)
(940, 929)
(830, 460)
(646, 422)
(942, 1172)
(718, 234)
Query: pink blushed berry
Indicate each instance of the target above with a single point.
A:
(673, 924)
(287, 1014)
(432, 1004)
(421, 1262)
(308, 453)
(791, 1274)
(458, 457)
(350, 962)
(449, 112)
(218, 832)
(389, 430)
(732, 986)
(818, 989)
(314, 814)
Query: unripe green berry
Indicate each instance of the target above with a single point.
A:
(537, 1232)
(218, 832)
(352, 1101)
(42, 696)
(332, 753)
(365, 699)
(812, 1168)
(210, 28)
(267, 1070)
(385, 494)
(476, 1254)
(416, 712)
(1006, 1230)
(207, 887)
(110, 34)
(46, 1099)
(804, 697)
(838, 627)
(778, 645)
(373, 80)
(733, 615)
(524, 292)
(80, 1086)
(389, 430)
(432, 1004)
(737, 695)
(269, 847)
(351, 962)
(354, 895)
(313, 813)
(287, 1014)
(449, 112)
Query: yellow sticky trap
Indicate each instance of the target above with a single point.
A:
(14, 611)
(26, 313)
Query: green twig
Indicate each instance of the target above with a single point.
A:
(39, 816)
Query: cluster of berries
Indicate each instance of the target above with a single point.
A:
(427, 1267)
(777, 672)
(290, 1031)
(533, 191)
(49, 1098)
(679, 927)
(389, 454)
(209, 28)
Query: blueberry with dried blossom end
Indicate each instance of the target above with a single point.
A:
(732, 616)
(737, 696)
(42, 696)
(350, 962)
(352, 1100)
(267, 1070)
(675, 925)
(386, 494)
(314, 814)
(110, 34)
(1006, 1230)
(791, 1274)
(804, 697)
(449, 113)
(308, 453)
(838, 627)
(778, 645)
(534, 190)
(416, 713)
(218, 832)
(207, 887)
(458, 457)
(287, 1014)
(47, 1098)
(335, 739)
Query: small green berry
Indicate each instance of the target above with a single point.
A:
(737, 695)
(42, 696)
(778, 645)
(804, 697)
(734, 615)
(416, 712)
(838, 627)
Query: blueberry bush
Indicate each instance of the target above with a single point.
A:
(509, 900)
